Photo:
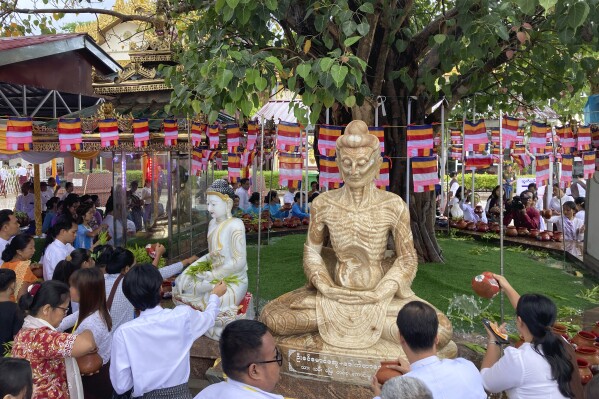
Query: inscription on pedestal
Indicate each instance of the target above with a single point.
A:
(332, 367)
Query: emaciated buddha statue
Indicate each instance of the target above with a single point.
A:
(355, 289)
(227, 254)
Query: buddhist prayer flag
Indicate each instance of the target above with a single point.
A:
(141, 132)
(329, 172)
(567, 166)
(456, 136)
(424, 173)
(327, 137)
(290, 169)
(542, 168)
(509, 134)
(523, 160)
(519, 149)
(588, 161)
(479, 148)
(567, 140)
(109, 132)
(196, 161)
(379, 132)
(538, 137)
(584, 138)
(595, 136)
(69, 134)
(252, 136)
(475, 132)
(288, 137)
(213, 136)
(198, 130)
(171, 131)
(419, 137)
(455, 152)
(382, 181)
(233, 137)
(234, 167)
(19, 134)
(478, 162)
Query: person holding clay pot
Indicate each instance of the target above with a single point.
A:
(543, 366)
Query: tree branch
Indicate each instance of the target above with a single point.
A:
(121, 16)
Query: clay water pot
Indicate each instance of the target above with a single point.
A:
(462, 224)
(522, 231)
(533, 233)
(544, 236)
(482, 227)
(471, 226)
(89, 363)
(511, 231)
(546, 213)
(558, 236)
(560, 329)
(453, 223)
(277, 223)
(306, 221)
(596, 328)
(588, 353)
(550, 233)
(485, 285)
(384, 374)
(583, 338)
(585, 372)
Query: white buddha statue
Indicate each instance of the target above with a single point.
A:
(227, 253)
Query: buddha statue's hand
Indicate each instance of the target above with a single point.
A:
(331, 291)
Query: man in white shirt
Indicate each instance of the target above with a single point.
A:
(9, 227)
(64, 232)
(151, 353)
(21, 174)
(45, 194)
(289, 197)
(244, 194)
(578, 188)
(251, 361)
(447, 378)
(26, 201)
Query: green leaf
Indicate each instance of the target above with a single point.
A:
(577, 14)
(350, 101)
(246, 107)
(547, 4)
(219, 5)
(527, 6)
(291, 83)
(223, 78)
(311, 80)
(228, 13)
(244, 15)
(230, 108)
(348, 27)
(363, 28)
(275, 61)
(260, 83)
(439, 38)
(250, 75)
(328, 99)
(196, 106)
(308, 98)
(212, 116)
(316, 108)
(303, 70)
(320, 22)
(236, 94)
(502, 32)
(367, 8)
(339, 72)
(326, 63)
(232, 3)
(326, 80)
(351, 40)
(271, 4)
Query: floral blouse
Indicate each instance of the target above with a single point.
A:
(45, 349)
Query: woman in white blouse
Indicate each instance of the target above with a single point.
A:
(544, 366)
(87, 287)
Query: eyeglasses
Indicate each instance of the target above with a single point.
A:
(278, 359)
(65, 310)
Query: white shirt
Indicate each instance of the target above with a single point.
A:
(244, 198)
(102, 336)
(121, 310)
(577, 223)
(455, 209)
(580, 215)
(45, 196)
(26, 203)
(109, 221)
(21, 171)
(289, 198)
(454, 187)
(523, 374)
(234, 389)
(449, 378)
(152, 351)
(3, 244)
(554, 204)
(146, 195)
(55, 252)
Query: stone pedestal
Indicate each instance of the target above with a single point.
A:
(203, 354)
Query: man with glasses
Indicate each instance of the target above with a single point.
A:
(523, 212)
(251, 361)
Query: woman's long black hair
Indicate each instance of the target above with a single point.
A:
(539, 313)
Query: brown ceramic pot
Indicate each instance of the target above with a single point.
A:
(560, 329)
(583, 338)
(511, 231)
(482, 227)
(453, 223)
(544, 236)
(462, 224)
(533, 233)
(588, 353)
(596, 328)
(89, 363)
(471, 226)
(522, 231)
(558, 236)
(384, 374)
(546, 213)
(585, 372)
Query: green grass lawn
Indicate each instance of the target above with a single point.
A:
(528, 271)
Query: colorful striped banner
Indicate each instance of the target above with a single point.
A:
(475, 133)
(69, 134)
(523, 160)
(476, 162)
(595, 136)
(538, 137)
(198, 130)
(455, 152)
(141, 132)
(196, 162)
(213, 136)
(234, 167)
(588, 162)
(290, 169)
(19, 134)
(583, 142)
(479, 148)
(233, 137)
(519, 149)
(424, 173)
(382, 181)
(509, 132)
(288, 137)
(109, 132)
(329, 172)
(542, 168)
(567, 167)
(327, 139)
(419, 137)
(567, 140)
(379, 132)
(170, 127)
(455, 136)
(253, 130)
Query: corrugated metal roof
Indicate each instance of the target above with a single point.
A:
(7, 43)
(279, 111)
